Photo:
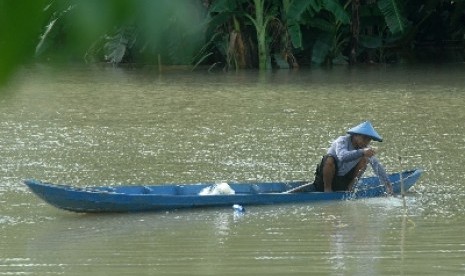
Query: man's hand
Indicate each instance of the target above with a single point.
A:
(369, 152)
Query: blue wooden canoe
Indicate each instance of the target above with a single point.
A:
(134, 198)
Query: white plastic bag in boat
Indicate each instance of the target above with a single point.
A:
(218, 189)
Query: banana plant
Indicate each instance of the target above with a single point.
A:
(224, 33)
(260, 21)
(328, 21)
(233, 19)
(393, 15)
(385, 25)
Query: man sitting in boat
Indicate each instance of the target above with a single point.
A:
(347, 159)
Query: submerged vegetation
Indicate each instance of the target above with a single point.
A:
(232, 34)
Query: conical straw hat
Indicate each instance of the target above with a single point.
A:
(366, 129)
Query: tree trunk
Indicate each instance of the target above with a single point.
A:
(260, 26)
(355, 28)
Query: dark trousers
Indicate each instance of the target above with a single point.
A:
(340, 183)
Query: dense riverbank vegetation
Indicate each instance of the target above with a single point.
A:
(234, 34)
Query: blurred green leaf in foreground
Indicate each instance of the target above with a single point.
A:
(20, 23)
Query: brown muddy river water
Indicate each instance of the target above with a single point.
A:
(108, 126)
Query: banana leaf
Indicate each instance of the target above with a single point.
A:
(393, 15)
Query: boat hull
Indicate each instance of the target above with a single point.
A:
(136, 198)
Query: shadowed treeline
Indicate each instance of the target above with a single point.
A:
(230, 34)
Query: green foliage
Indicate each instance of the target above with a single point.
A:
(118, 44)
(321, 50)
(327, 20)
(137, 31)
(393, 14)
(227, 24)
(19, 28)
(172, 30)
(294, 10)
(337, 10)
(235, 33)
